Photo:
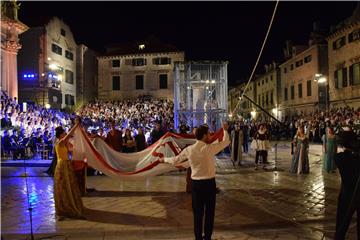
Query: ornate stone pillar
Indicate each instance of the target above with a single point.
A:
(11, 27)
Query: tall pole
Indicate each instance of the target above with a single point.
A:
(262, 109)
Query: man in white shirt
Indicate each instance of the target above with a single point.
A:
(201, 159)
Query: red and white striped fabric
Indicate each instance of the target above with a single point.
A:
(132, 166)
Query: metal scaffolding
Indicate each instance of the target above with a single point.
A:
(200, 93)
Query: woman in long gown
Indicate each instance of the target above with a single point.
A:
(300, 160)
(330, 150)
(67, 194)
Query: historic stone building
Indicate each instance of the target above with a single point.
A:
(47, 65)
(241, 107)
(11, 28)
(300, 90)
(143, 68)
(344, 62)
(267, 87)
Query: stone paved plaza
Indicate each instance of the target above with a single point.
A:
(263, 204)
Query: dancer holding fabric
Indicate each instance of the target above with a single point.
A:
(67, 194)
(201, 159)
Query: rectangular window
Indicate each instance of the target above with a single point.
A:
(115, 83)
(292, 92)
(139, 62)
(69, 76)
(339, 43)
(259, 100)
(299, 63)
(162, 61)
(300, 90)
(291, 66)
(263, 100)
(62, 32)
(163, 81)
(286, 94)
(308, 88)
(340, 78)
(266, 80)
(285, 70)
(307, 59)
(272, 98)
(355, 74)
(69, 55)
(115, 63)
(355, 35)
(139, 82)
(69, 100)
(56, 49)
(271, 78)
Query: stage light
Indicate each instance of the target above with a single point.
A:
(47, 106)
(213, 81)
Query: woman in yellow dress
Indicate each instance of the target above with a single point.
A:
(67, 194)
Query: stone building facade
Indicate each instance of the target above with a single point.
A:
(241, 107)
(299, 90)
(143, 68)
(344, 62)
(267, 87)
(47, 65)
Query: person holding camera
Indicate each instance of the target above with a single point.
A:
(348, 163)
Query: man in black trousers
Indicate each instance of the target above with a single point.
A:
(348, 163)
(201, 159)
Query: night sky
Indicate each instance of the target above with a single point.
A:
(231, 31)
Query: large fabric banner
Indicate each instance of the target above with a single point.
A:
(132, 166)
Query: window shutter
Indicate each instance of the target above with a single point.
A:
(344, 75)
(351, 75)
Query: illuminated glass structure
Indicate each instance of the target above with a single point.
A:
(200, 93)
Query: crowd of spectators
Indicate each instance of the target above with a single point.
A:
(314, 124)
(24, 131)
(138, 123)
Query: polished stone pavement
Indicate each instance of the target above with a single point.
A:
(262, 204)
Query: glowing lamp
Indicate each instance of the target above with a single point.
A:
(52, 66)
